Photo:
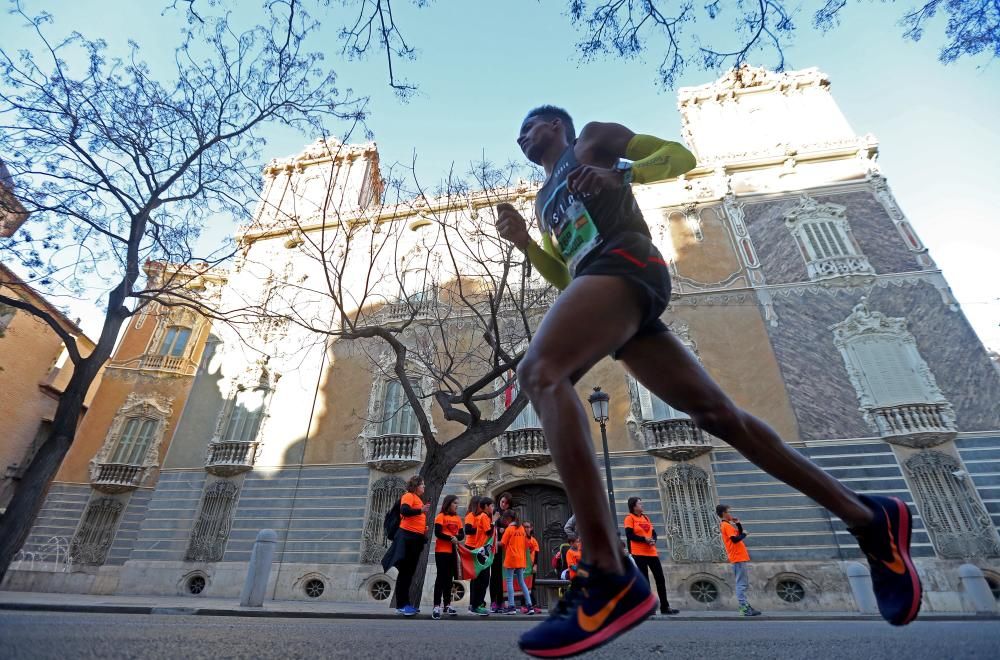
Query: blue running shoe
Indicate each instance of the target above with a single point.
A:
(597, 608)
(409, 610)
(886, 544)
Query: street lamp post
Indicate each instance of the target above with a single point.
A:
(599, 404)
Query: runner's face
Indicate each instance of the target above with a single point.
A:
(535, 137)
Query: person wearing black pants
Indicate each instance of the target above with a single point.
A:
(496, 577)
(641, 539)
(411, 537)
(447, 533)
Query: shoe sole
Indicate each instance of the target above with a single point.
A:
(905, 532)
(622, 625)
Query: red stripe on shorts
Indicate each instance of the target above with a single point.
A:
(625, 255)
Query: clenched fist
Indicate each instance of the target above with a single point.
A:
(512, 226)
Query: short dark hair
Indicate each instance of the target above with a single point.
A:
(414, 483)
(552, 112)
(721, 509)
(632, 501)
(510, 514)
(485, 502)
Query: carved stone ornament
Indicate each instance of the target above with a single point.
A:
(115, 478)
(746, 78)
(958, 523)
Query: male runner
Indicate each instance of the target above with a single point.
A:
(596, 247)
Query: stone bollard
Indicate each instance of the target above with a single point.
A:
(977, 589)
(861, 586)
(260, 569)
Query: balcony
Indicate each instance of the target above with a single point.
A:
(525, 448)
(841, 266)
(916, 425)
(225, 459)
(167, 363)
(117, 478)
(674, 439)
(415, 309)
(534, 298)
(393, 453)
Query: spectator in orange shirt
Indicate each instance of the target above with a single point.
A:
(504, 503)
(515, 560)
(413, 529)
(533, 548)
(641, 539)
(732, 537)
(447, 532)
(482, 532)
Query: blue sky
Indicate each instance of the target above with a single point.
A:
(480, 65)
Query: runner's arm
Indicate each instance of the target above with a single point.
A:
(547, 262)
(653, 159)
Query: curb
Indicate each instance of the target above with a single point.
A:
(277, 614)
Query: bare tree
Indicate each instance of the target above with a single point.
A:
(759, 29)
(119, 168)
(423, 288)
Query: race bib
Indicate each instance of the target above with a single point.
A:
(577, 235)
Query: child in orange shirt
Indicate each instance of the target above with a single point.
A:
(533, 549)
(573, 558)
(515, 560)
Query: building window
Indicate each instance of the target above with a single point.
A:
(6, 316)
(896, 390)
(692, 524)
(174, 341)
(399, 418)
(653, 408)
(245, 416)
(211, 531)
(958, 523)
(96, 532)
(134, 442)
(527, 418)
(384, 494)
(824, 237)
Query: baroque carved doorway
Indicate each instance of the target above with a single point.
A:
(547, 508)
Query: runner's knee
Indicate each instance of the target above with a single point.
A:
(537, 375)
(718, 417)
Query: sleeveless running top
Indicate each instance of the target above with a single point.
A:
(580, 223)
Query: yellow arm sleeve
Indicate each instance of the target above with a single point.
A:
(654, 159)
(547, 261)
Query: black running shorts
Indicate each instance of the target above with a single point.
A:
(633, 256)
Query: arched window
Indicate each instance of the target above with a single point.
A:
(824, 237)
(527, 418)
(211, 530)
(399, 417)
(653, 408)
(958, 523)
(245, 416)
(384, 494)
(692, 524)
(134, 442)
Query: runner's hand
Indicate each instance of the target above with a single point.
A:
(512, 226)
(590, 179)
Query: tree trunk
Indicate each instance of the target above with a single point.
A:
(435, 471)
(29, 495)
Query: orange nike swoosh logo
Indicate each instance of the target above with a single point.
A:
(896, 565)
(591, 622)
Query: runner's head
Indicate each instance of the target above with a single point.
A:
(474, 504)
(545, 128)
(450, 505)
(635, 505)
(486, 505)
(415, 485)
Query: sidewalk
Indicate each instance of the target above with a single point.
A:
(327, 609)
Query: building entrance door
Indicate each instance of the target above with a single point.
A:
(547, 508)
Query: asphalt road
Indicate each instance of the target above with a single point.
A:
(25, 635)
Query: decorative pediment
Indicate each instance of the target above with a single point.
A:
(864, 321)
(809, 209)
